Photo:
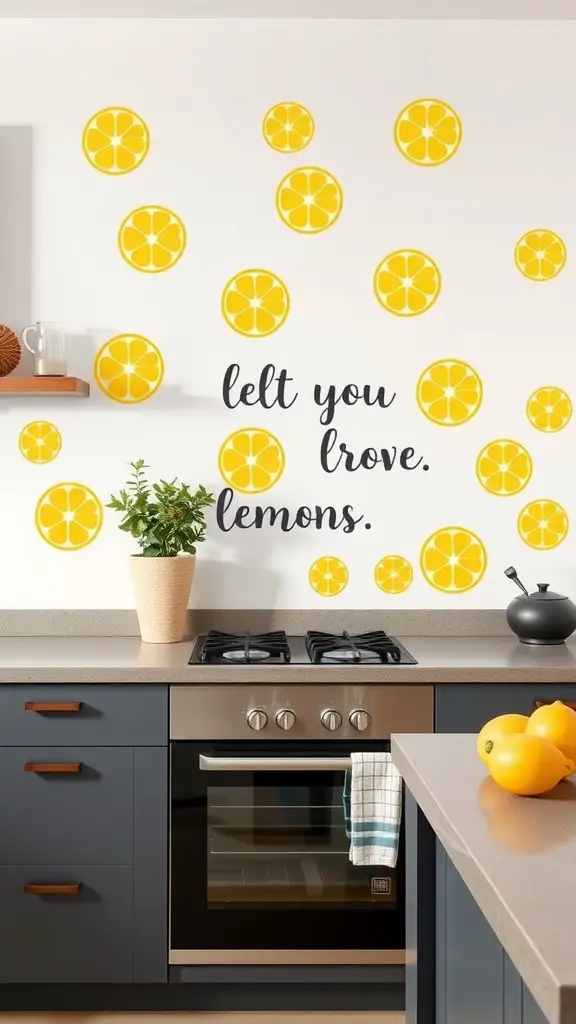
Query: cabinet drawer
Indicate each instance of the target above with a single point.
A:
(73, 715)
(76, 937)
(66, 805)
(466, 708)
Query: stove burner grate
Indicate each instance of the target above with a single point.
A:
(244, 648)
(347, 648)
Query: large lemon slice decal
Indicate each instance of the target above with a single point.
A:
(309, 200)
(328, 576)
(251, 460)
(453, 560)
(288, 127)
(69, 516)
(152, 239)
(116, 140)
(129, 368)
(428, 132)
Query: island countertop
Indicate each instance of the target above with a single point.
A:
(515, 855)
(119, 659)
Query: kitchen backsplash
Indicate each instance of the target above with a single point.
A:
(324, 268)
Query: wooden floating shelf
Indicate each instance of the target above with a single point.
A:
(59, 387)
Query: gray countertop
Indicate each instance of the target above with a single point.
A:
(115, 659)
(516, 856)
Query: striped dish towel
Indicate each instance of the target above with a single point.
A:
(373, 809)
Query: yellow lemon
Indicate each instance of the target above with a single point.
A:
(255, 303)
(251, 460)
(152, 239)
(288, 127)
(528, 765)
(407, 282)
(116, 140)
(449, 392)
(453, 560)
(129, 368)
(40, 441)
(309, 200)
(504, 467)
(393, 574)
(328, 576)
(69, 516)
(540, 254)
(543, 524)
(556, 722)
(549, 409)
(428, 132)
(495, 730)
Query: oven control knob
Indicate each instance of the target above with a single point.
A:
(285, 719)
(257, 719)
(331, 720)
(360, 720)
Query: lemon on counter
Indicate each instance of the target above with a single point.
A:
(556, 723)
(528, 765)
(496, 729)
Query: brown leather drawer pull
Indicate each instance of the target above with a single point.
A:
(53, 707)
(67, 768)
(52, 890)
(568, 703)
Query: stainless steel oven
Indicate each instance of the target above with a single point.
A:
(260, 869)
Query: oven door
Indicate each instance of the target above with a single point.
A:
(260, 859)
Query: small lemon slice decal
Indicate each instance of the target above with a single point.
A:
(453, 560)
(116, 140)
(407, 282)
(549, 409)
(449, 392)
(251, 460)
(69, 516)
(428, 132)
(288, 127)
(393, 574)
(152, 239)
(543, 524)
(129, 368)
(255, 303)
(309, 200)
(40, 442)
(504, 467)
(328, 576)
(540, 255)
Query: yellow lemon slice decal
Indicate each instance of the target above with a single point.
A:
(504, 467)
(428, 132)
(288, 127)
(328, 576)
(116, 140)
(453, 560)
(255, 303)
(407, 282)
(449, 392)
(129, 368)
(251, 460)
(152, 239)
(549, 409)
(40, 442)
(543, 524)
(393, 574)
(69, 516)
(309, 200)
(540, 255)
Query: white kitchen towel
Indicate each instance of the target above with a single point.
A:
(375, 810)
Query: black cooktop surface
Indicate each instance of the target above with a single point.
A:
(313, 648)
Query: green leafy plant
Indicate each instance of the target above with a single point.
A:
(165, 518)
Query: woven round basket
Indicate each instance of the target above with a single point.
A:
(10, 351)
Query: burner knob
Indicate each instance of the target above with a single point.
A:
(257, 720)
(360, 720)
(331, 720)
(285, 719)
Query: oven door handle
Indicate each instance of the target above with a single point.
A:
(274, 764)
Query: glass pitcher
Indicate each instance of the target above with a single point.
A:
(50, 351)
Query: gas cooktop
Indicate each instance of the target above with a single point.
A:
(314, 648)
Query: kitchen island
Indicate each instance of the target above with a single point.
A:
(502, 951)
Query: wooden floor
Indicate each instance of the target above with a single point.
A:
(202, 1018)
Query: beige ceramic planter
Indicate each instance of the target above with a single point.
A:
(162, 589)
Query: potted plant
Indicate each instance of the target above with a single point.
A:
(167, 520)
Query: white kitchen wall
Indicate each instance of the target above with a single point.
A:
(203, 89)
